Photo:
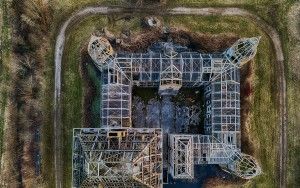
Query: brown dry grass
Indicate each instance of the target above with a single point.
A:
(247, 90)
(30, 43)
(220, 183)
(10, 170)
(201, 41)
(139, 42)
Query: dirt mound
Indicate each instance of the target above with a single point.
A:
(201, 41)
(139, 42)
(246, 101)
(221, 183)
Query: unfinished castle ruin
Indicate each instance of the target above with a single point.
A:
(117, 154)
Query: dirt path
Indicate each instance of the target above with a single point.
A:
(60, 41)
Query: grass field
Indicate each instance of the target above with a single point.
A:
(63, 9)
(294, 121)
(293, 80)
(273, 11)
(72, 86)
(47, 131)
(264, 96)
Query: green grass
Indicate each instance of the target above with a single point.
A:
(272, 11)
(64, 8)
(47, 142)
(293, 80)
(264, 122)
(264, 96)
(72, 86)
(293, 171)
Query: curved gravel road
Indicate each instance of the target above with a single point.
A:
(59, 47)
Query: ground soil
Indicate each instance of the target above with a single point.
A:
(139, 42)
(221, 183)
(246, 100)
(201, 41)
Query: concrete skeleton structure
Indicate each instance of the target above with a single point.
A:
(118, 155)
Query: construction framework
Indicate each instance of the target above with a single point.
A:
(118, 155)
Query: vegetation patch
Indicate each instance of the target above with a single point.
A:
(92, 95)
(22, 164)
(293, 90)
(4, 76)
(145, 94)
